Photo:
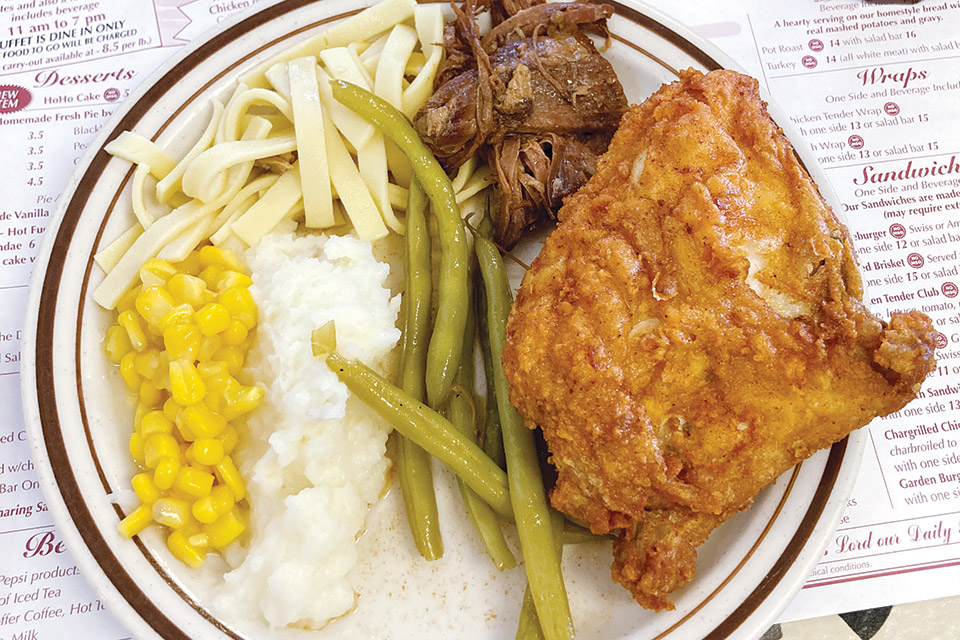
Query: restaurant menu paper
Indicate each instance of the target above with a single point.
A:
(872, 89)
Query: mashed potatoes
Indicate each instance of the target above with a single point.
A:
(313, 457)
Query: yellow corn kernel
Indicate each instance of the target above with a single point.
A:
(155, 272)
(157, 446)
(221, 382)
(209, 508)
(150, 396)
(143, 486)
(154, 303)
(227, 473)
(199, 540)
(209, 346)
(224, 497)
(154, 333)
(129, 373)
(244, 401)
(188, 289)
(182, 550)
(166, 472)
(240, 304)
(147, 362)
(224, 258)
(190, 526)
(205, 510)
(233, 356)
(161, 378)
(221, 387)
(193, 482)
(155, 422)
(214, 402)
(186, 385)
(171, 409)
(131, 324)
(189, 265)
(233, 279)
(138, 414)
(203, 422)
(229, 438)
(180, 314)
(116, 343)
(136, 447)
(211, 275)
(213, 372)
(235, 334)
(182, 341)
(183, 429)
(208, 451)
(128, 300)
(135, 522)
(188, 455)
(171, 512)
(226, 529)
(212, 318)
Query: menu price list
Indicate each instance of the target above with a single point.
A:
(873, 91)
(883, 131)
(20, 233)
(889, 83)
(42, 593)
(41, 33)
(49, 142)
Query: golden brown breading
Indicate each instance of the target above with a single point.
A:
(694, 327)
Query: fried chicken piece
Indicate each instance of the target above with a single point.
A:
(705, 326)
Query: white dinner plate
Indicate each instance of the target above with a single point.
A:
(78, 414)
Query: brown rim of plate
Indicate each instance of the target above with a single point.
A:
(56, 447)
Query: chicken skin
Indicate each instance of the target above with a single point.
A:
(706, 329)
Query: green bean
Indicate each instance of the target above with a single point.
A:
(446, 343)
(416, 293)
(528, 627)
(484, 520)
(527, 494)
(428, 429)
(492, 440)
(565, 532)
(460, 412)
(413, 463)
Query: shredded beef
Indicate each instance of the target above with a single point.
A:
(533, 95)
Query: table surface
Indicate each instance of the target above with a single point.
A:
(930, 620)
